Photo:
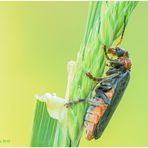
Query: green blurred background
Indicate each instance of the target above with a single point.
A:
(36, 41)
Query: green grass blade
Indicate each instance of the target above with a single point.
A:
(44, 127)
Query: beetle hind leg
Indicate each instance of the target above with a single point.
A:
(72, 103)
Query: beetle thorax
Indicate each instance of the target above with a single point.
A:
(126, 62)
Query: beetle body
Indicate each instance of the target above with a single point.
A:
(109, 92)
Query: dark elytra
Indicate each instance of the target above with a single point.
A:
(120, 84)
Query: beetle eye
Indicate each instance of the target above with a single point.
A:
(120, 52)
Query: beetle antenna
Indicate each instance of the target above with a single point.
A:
(122, 32)
(105, 51)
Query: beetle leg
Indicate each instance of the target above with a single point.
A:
(102, 78)
(112, 71)
(116, 63)
(72, 103)
(112, 75)
(92, 101)
(88, 100)
(102, 95)
(95, 102)
(93, 78)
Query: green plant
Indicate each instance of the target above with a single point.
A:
(104, 27)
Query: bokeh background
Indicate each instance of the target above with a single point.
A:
(37, 39)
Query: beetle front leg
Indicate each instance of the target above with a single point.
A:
(93, 78)
(102, 78)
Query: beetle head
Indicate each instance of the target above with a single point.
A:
(120, 52)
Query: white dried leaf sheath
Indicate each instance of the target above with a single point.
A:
(55, 105)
